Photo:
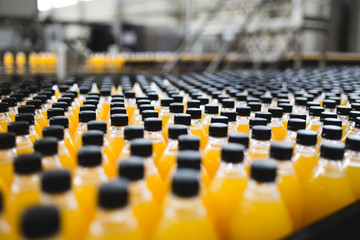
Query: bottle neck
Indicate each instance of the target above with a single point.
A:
(26, 182)
(262, 192)
(232, 170)
(182, 208)
(330, 168)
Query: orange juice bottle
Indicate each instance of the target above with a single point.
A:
(114, 217)
(194, 103)
(196, 127)
(64, 155)
(56, 190)
(11, 101)
(88, 176)
(154, 98)
(84, 118)
(351, 127)
(145, 209)
(130, 132)
(36, 217)
(144, 148)
(48, 147)
(260, 142)
(25, 189)
(102, 126)
(351, 162)
(68, 140)
(231, 115)
(204, 100)
(331, 133)
(287, 109)
(329, 105)
(40, 121)
(4, 117)
(242, 119)
(5, 228)
(261, 201)
(242, 139)
(294, 125)
(343, 113)
(104, 103)
(325, 115)
(130, 103)
(222, 197)
(254, 107)
(141, 100)
(188, 142)
(168, 158)
(21, 130)
(175, 108)
(288, 182)
(153, 132)
(116, 136)
(227, 104)
(165, 110)
(327, 178)
(139, 120)
(305, 154)
(277, 126)
(179, 220)
(266, 103)
(43, 100)
(240, 99)
(83, 90)
(28, 117)
(211, 110)
(117, 110)
(218, 133)
(7, 155)
(300, 105)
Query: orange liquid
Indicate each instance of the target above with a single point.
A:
(304, 164)
(6, 170)
(157, 187)
(166, 162)
(24, 146)
(165, 119)
(130, 112)
(159, 146)
(147, 214)
(199, 131)
(104, 111)
(116, 145)
(279, 132)
(86, 196)
(353, 173)
(243, 128)
(3, 125)
(73, 225)
(211, 159)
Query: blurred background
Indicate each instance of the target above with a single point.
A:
(69, 37)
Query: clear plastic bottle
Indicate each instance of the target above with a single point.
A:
(28, 117)
(266, 103)
(84, 118)
(352, 162)
(211, 110)
(11, 101)
(351, 127)
(242, 139)
(7, 155)
(165, 110)
(116, 136)
(183, 119)
(287, 109)
(175, 108)
(154, 98)
(277, 126)
(130, 132)
(331, 133)
(231, 115)
(343, 113)
(242, 119)
(68, 140)
(255, 107)
(260, 142)
(104, 104)
(153, 132)
(314, 122)
(300, 105)
(40, 120)
(240, 99)
(196, 128)
(261, 205)
(4, 117)
(130, 103)
(48, 147)
(329, 105)
(294, 125)
(21, 130)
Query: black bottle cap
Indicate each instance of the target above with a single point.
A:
(193, 104)
(11, 101)
(26, 109)
(4, 107)
(93, 137)
(257, 122)
(132, 168)
(129, 94)
(20, 128)
(176, 130)
(295, 124)
(149, 114)
(355, 106)
(239, 138)
(114, 195)
(241, 97)
(141, 147)
(287, 107)
(119, 120)
(177, 98)
(53, 112)
(333, 122)
(42, 98)
(56, 181)
(117, 110)
(263, 171)
(352, 143)
(261, 133)
(185, 183)
(232, 153)
(343, 110)
(47, 146)
(26, 117)
(61, 105)
(243, 111)
(153, 96)
(182, 118)
(145, 107)
(56, 131)
(357, 122)
(265, 115)
(281, 151)
(219, 119)
(354, 115)
(87, 116)
(230, 114)
(312, 104)
(105, 92)
(266, 99)
(228, 103)
(89, 156)
(332, 151)
(189, 159)
(153, 124)
(254, 106)
(87, 107)
(140, 102)
(328, 103)
(59, 120)
(300, 101)
(7, 140)
(133, 131)
(97, 125)
(165, 102)
(67, 100)
(331, 132)
(64, 88)
(189, 142)
(117, 102)
(211, 109)
(27, 163)
(40, 222)
(327, 115)
(176, 108)
(195, 113)
(276, 112)
(218, 130)
(316, 111)
(306, 137)
(92, 102)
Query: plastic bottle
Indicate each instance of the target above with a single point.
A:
(130, 103)
(68, 140)
(327, 178)
(242, 120)
(331, 133)
(266, 103)
(84, 118)
(130, 132)
(300, 105)
(104, 103)
(44, 107)
(154, 98)
(141, 200)
(36, 217)
(277, 126)
(222, 197)
(116, 136)
(88, 176)
(168, 158)
(329, 105)
(175, 108)
(242, 139)
(41, 122)
(343, 113)
(165, 110)
(351, 127)
(211, 110)
(28, 117)
(153, 132)
(56, 190)
(287, 109)
(183, 119)
(196, 127)
(4, 117)
(352, 162)
(305, 154)
(218, 133)
(254, 107)
(179, 220)
(21, 130)
(240, 99)
(231, 115)
(260, 142)
(25, 189)
(48, 147)
(260, 203)
(7, 155)
(288, 182)
(294, 125)
(12, 106)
